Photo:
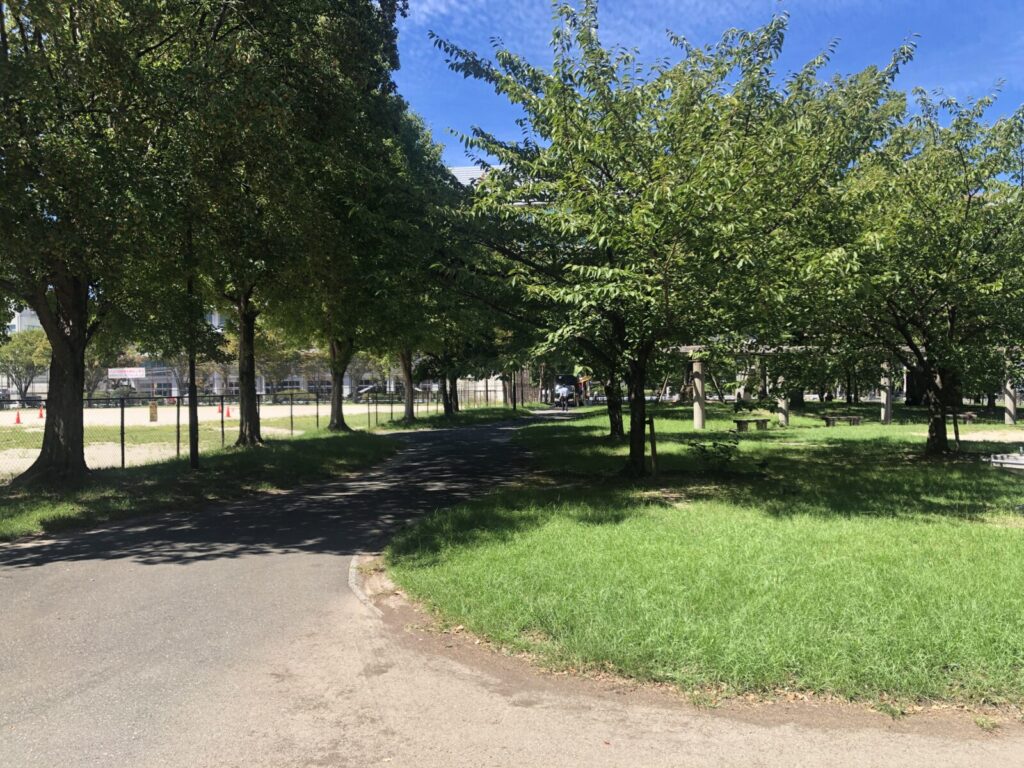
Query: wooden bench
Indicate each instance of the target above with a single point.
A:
(967, 417)
(743, 425)
(831, 421)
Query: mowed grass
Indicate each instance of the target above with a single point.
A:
(835, 560)
(229, 474)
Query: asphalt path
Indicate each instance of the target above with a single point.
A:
(230, 637)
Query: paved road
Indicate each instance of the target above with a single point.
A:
(231, 638)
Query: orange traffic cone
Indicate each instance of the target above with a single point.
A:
(41, 412)
(220, 408)
(229, 411)
(17, 417)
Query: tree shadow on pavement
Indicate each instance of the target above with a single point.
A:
(437, 469)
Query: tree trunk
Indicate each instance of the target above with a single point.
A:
(248, 403)
(796, 398)
(62, 457)
(637, 466)
(917, 387)
(849, 388)
(718, 387)
(938, 441)
(446, 398)
(341, 355)
(193, 409)
(405, 362)
(453, 392)
(991, 403)
(613, 397)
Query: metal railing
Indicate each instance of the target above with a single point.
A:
(135, 430)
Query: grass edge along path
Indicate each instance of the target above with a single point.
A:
(112, 494)
(829, 561)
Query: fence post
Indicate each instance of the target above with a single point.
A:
(222, 404)
(291, 414)
(122, 433)
(177, 425)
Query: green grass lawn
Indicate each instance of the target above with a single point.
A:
(834, 560)
(116, 493)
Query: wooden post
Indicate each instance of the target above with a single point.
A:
(1009, 404)
(886, 394)
(654, 448)
(699, 403)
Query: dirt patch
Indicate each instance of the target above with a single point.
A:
(986, 436)
(280, 431)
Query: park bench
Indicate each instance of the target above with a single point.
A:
(967, 417)
(743, 425)
(831, 421)
(1008, 460)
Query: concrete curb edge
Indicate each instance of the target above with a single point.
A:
(355, 585)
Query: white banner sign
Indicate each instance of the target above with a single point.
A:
(126, 373)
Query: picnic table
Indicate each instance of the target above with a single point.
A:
(832, 420)
(743, 425)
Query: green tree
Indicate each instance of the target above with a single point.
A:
(24, 358)
(658, 201)
(73, 92)
(926, 258)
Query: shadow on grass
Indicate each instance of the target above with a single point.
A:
(802, 470)
(505, 515)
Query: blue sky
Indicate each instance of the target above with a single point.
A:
(964, 46)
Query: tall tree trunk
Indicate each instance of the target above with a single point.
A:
(637, 466)
(938, 441)
(405, 362)
(991, 402)
(446, 399)
(62, 457)
(192, 390)
(796, 398)
(718, 387)
(248, 403)
(193, 408)
(849, 388)
(341, 355)
(917, 387)
(453, 392)
(613, 401)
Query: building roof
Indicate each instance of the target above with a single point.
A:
(468, 175)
